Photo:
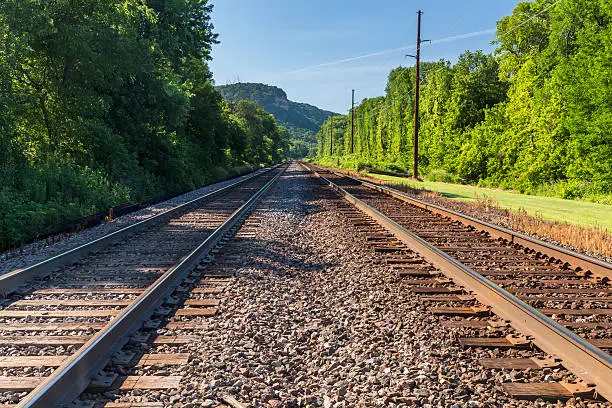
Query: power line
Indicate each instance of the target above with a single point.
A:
(393, 50)
(385, 108)
(529, 19)
(511, 30)
(449, 28)
(455, 24)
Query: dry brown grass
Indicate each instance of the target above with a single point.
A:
(592, 240)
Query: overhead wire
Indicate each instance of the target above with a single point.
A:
(509, 31)
(531, 18)
(448, 30)
(459, 21)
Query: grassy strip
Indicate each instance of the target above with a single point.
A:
(568, 190)
(548, 208)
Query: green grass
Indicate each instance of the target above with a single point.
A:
(552, 209)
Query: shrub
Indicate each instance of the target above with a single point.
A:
(441, 175)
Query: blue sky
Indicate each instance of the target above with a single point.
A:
(313, 49)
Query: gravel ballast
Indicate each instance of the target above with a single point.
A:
(494, 215)
(315, 319)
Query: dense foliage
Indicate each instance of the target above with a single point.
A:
(301, 119)
(109, 101)
(536, 116)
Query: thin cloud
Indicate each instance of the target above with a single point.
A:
(345, 60)
(464, 36)
(392, 50)
(335, 72)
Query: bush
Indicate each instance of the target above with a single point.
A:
(442, 176)
(394, 168)
(50, 195)
(219, 173)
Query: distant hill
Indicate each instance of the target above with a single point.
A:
(301, 119)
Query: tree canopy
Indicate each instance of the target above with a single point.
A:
(537, 113)
(109, 101)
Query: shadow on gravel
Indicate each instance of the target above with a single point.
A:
(303, 198)
(268, 262)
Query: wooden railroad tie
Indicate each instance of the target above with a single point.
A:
(202, 302)
(415, 272)
(194, 311)
(19, 384)
(59, 313)
(434, 281)
(163, 359)
(461, 311)
(533, 363)
(133, 382)
(436, 289)
(548, 390)
(209, 290)
(43, 340)
(84, 326)
(193, 325)
(601, 343)
(449, 298)
(176, 340)
(510, 341)
(75, 303)
(85, 291)
(477, 324)
(31, 361)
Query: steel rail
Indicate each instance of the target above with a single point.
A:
(9, 282)
(588, 362)
(575, 259)
(75, 374)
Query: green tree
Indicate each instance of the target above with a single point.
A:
(534, 114)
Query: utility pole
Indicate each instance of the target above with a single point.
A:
(417, 92)
(353, 122)
(417, 89)
(331, 136)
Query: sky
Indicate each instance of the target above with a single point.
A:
(317, 51)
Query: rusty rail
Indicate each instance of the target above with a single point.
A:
(75, 374)
(575, 259)
(588, 362)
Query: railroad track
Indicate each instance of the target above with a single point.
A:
(522, 303)
(64, 318)
(165, 352)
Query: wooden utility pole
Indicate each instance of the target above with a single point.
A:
(353, 122)
(417, 83)
(331, 136)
